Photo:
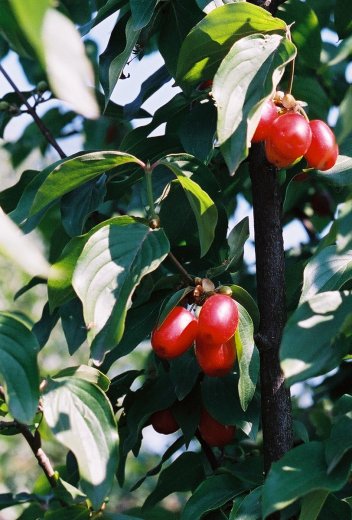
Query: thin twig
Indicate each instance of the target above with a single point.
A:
(208, 452)
(180, 268)
(31, 110)
(35, 444)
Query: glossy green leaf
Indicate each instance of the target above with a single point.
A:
(326, 271)
(340, 174)
(112, 263)
(202, 205)
(339, 443)
(18, 367)
(312, 342)
(87, 373)
(142, 12)
(197, 131)
(248, 358)
(183, 474)
(246, 300)
(74, 172)
(211, 494)
(82, 420)
(247, 76)
(344, 227)
(305, 30)
(299, 472)
(211, 39)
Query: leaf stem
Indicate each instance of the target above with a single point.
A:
(180, 268)
(148, 171)
(31, 110)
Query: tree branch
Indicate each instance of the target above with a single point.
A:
(31, 110)
(35, 444)
(188, 278)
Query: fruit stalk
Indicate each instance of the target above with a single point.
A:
(270, 261)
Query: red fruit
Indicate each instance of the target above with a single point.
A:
(164, 422)
(289, 136)
(323, 150)
(218, 319)
(176, 334)
(267, 117)
(275, 158)
(213, 432)
(216, 360)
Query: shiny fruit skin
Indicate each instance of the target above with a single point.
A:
(323, 150)
(275, 158)
(164, 422)
(267, 117)
(216, 360)
(176, 334)
(290, 136)
(218, 319)
(213, 432)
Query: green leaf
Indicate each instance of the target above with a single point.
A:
(197, 130)
(299, 472)
(245, 299)
(211, 39)
(183, 474)
(326, 271)
(343, 22)
(87, 373)
(339, 443)
(344, 227)
(68, 513)
(305, 30)
(202, 205)
(343, 126)
(112, 263)
(18, 367)
(60, 277)
(30, 16)
(312, 504)
(248, 358)
(249, 508)
(82, 420)
(211, 494)
(21, 249)
(12, 31)
(185, 364)
(142, 12)
(247, 76)
(312, 343)
(113, 60)
(74, 172)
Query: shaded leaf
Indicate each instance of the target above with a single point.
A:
(249, 508)
(142, 12)
(18, 367)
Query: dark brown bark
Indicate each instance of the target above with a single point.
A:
(270, 272)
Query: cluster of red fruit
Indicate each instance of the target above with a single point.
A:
(288, 135)
(212, 334)
(211, 431)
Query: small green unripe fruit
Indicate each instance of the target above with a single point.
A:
(42, 86)
(4, 105)
(225, 289)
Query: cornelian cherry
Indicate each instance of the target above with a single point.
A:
(216, 360)
(218, 319)
(176, 334)
(267, 117)
(275, 158)
(164, 422)
(213, 432)
(323, 150)
(289, 137)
